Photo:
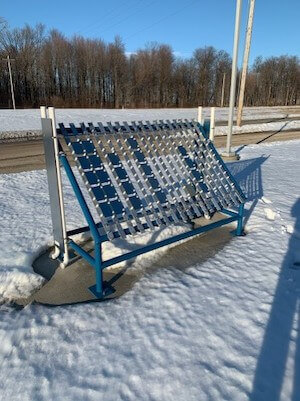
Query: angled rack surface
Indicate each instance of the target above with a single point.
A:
(140, 176)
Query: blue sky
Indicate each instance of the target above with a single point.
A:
(184, 24)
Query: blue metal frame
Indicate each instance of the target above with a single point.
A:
(102, 289)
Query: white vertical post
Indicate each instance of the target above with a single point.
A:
(200, 115)
(228, 152)
(245, 63)
(223, 89)
(51, 112)
(43, 110)
(212, 124)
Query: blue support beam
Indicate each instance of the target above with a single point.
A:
(102, 289)
(229, 212)
(168, 241)
(80, 197)
(240, 230)
(82, 253)
(98, 268)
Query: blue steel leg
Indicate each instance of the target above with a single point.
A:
(102, 288)
(239, 229)
(98, 267)
(85, 210)
(97, 289)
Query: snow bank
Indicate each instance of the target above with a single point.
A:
(26, 223)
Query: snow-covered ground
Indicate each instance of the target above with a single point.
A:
(225, 328)
(12, 121)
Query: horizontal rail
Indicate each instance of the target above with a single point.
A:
(229, 212)
(168, 241)
(82, 253)
(104, 238)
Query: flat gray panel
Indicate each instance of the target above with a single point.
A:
(52, 182)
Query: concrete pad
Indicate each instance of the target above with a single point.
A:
(70, 285)
(230, 157)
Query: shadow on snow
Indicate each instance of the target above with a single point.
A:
(281, 328)
(283, 325)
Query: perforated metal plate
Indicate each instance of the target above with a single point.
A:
(142, 175)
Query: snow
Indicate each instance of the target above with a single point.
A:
(195, 326)
(269, 213)
(13, 122)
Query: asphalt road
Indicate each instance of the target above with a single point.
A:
(26, 156)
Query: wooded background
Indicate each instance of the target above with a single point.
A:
(49, 68)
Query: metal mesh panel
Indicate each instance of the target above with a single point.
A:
(144, 175)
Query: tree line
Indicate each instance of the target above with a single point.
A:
(49, 68)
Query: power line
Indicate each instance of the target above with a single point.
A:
(161, 19)
(112, 21)
(98, 23)
(129, 16)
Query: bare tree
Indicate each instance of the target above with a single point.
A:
(79, 72)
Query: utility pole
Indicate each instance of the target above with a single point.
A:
(223, 89)
(245, 62)
(8, 60)
(228, 152)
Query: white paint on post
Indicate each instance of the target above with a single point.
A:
(65, 262)
(200, 115)
(212, 124)
(233, 76)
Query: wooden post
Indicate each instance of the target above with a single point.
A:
(8, 60)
